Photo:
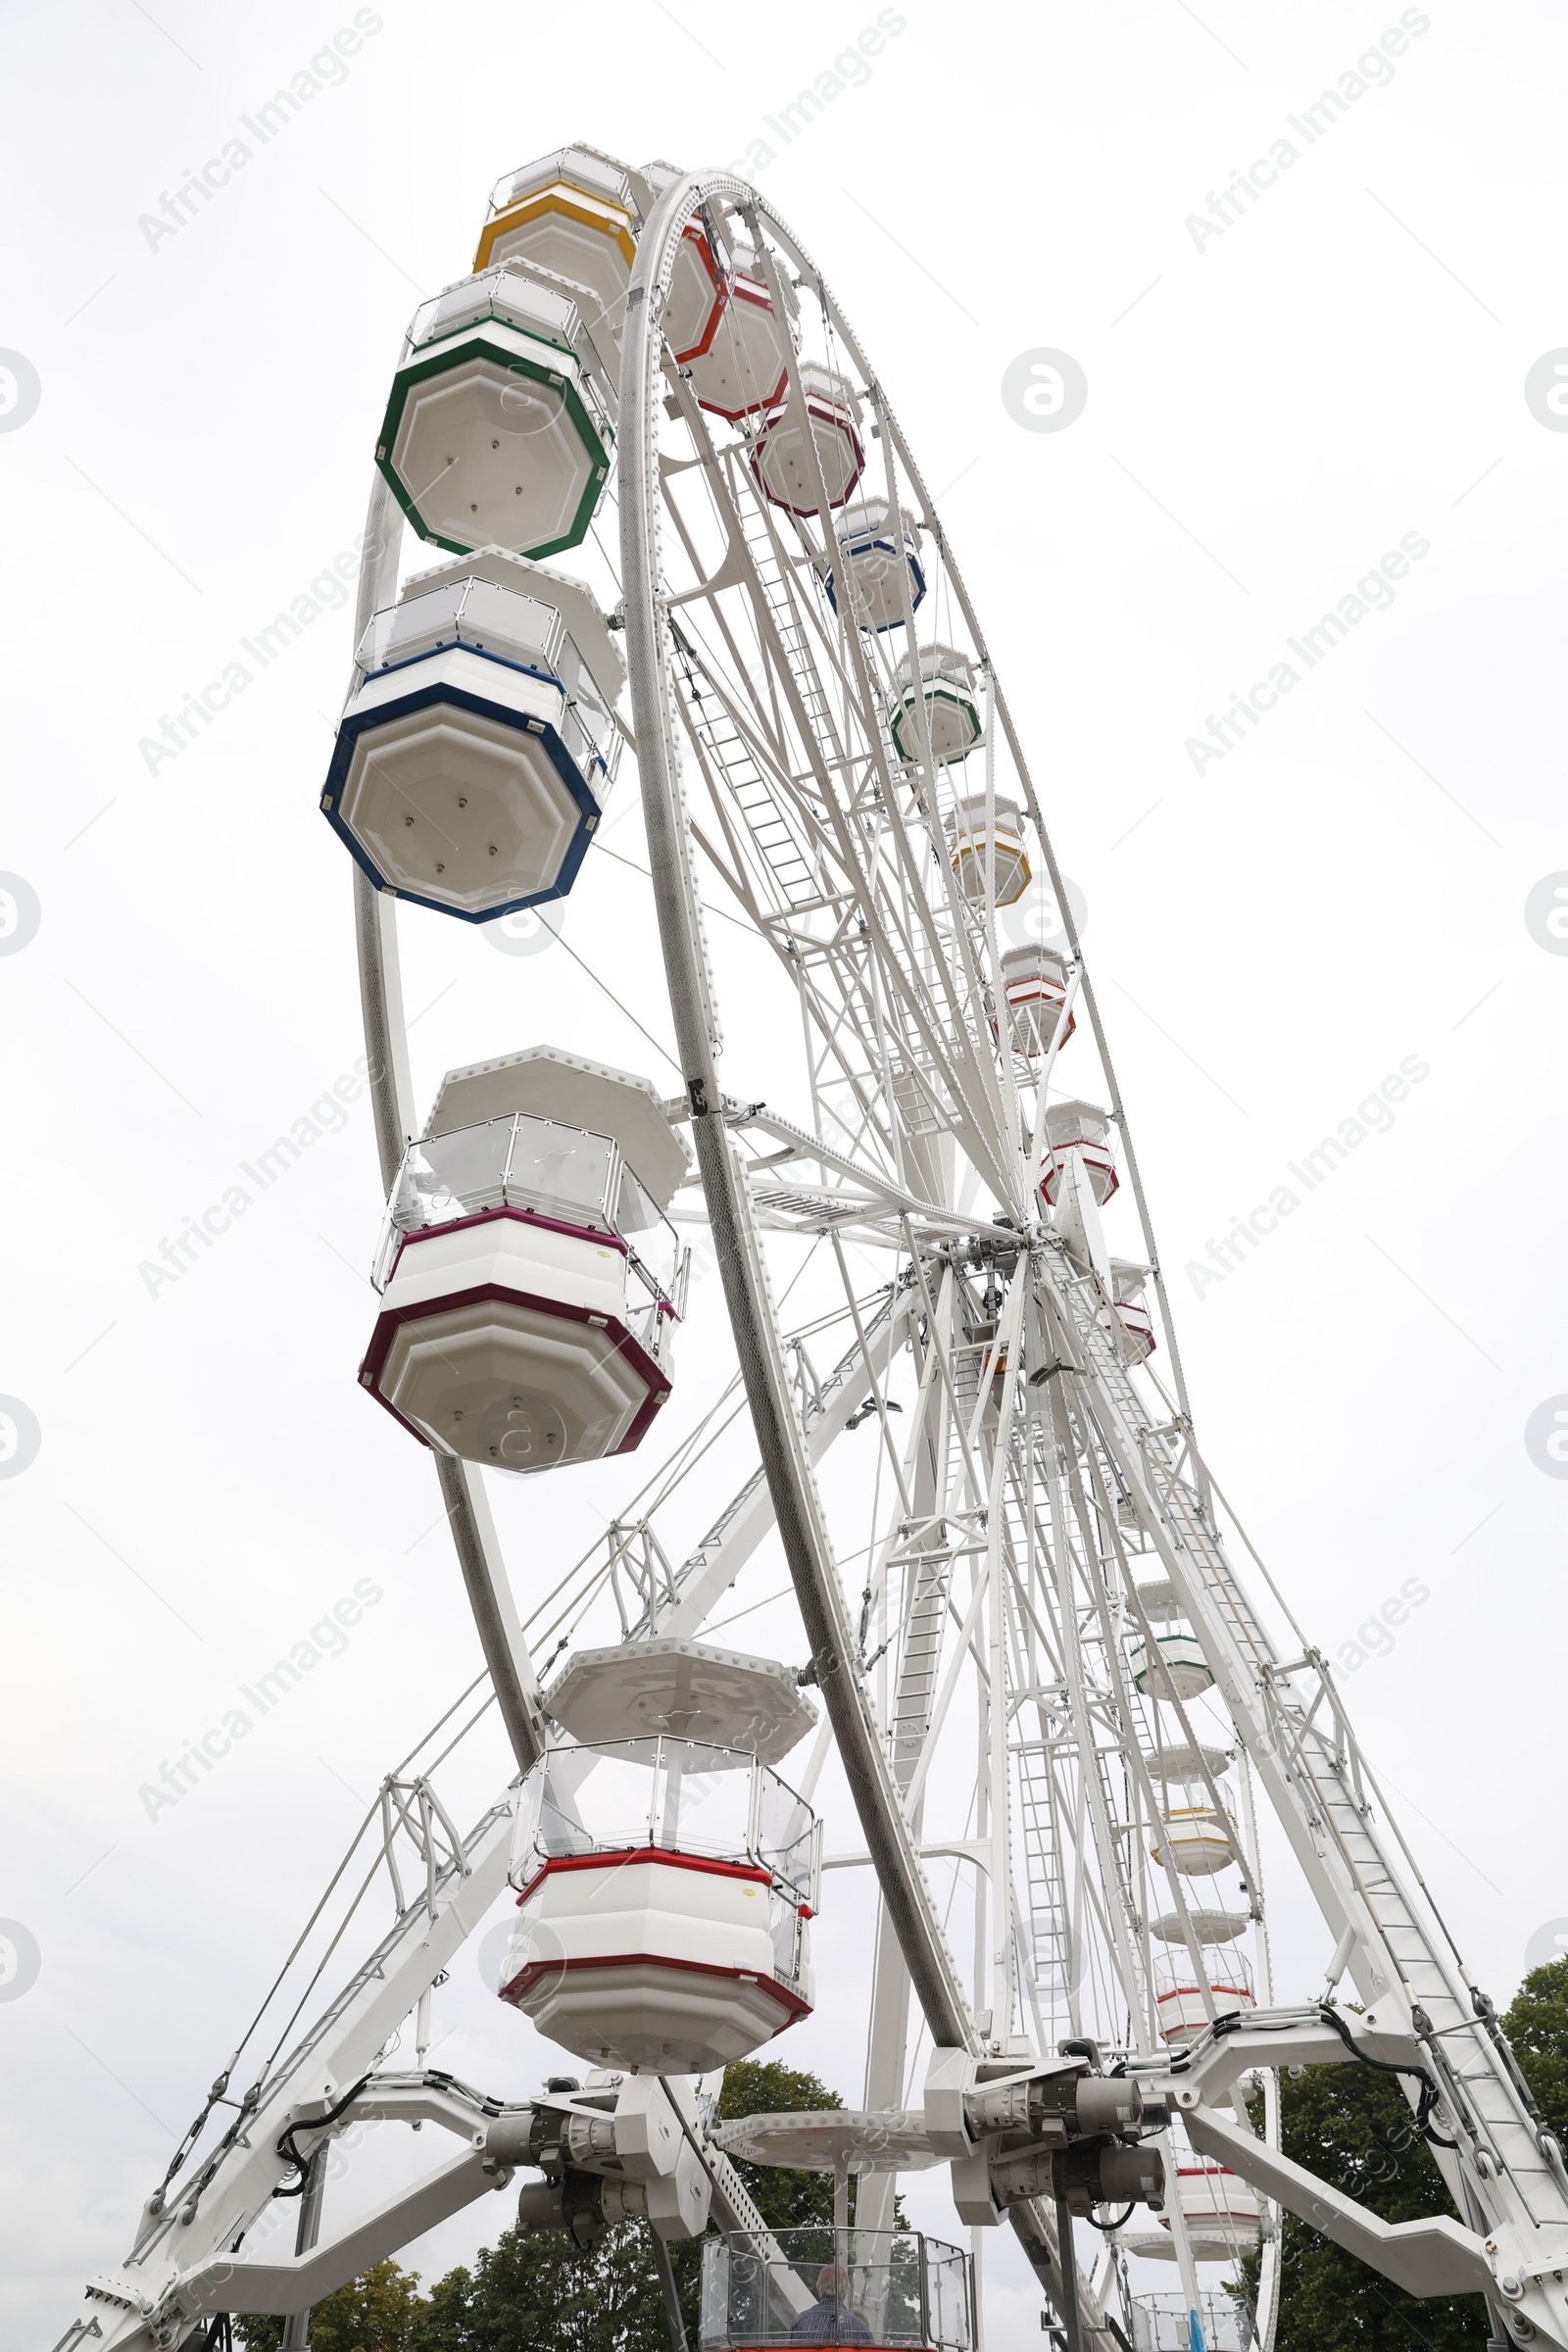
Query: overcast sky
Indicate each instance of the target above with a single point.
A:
(1348, 359)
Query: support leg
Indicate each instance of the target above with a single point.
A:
(297, 2326)
(1067, 2271)
(667, 2281)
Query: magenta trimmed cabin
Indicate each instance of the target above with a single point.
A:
(1034, 986)
(530, 1281)
(1127, 1282)
(1084, 1130)
(664, 1888)
(826, 419)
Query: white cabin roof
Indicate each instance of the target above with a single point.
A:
(1179, 1762)
(686, 1689)
(550, 1084)
(579, 164)
(573, 599)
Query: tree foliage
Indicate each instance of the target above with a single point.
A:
(535, 2292)
(1352, 2127)
(375, 2313)
(786, 2200)
(1536, 2023)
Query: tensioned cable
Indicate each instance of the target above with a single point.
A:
(187, 2144)
(585, 1601)
(605, 990)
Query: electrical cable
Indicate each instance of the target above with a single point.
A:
(317, 2123)
(1385, 2065)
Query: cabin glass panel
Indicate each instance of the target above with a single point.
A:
(643, 1225)
(496, 294)
(565, 1171)
(474, 612)
(520, 1162)
(787, 1834)
(822, 2287)
(684, 1795)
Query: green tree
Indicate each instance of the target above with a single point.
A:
(375, 2313)
(786, 2200)
(1536, 2022)
(1352, 2127)
(531, 2292)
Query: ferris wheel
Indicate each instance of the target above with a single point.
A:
(1068, 1718)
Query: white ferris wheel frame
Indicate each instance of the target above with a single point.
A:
(1422, 2011)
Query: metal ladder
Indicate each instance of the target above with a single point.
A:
(920, 1661)
(1050, 1928)
(778, 594)
(733, 766)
